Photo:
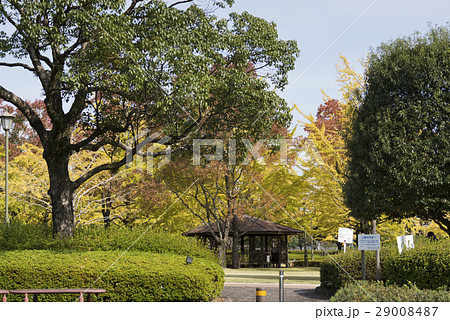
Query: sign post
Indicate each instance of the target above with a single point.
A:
(378, 257)
(369, 242)
(363, 264)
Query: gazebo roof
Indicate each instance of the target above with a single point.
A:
(249, 226)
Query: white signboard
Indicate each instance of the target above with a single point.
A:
(409, 241)
(400, 244)
(405, 242)
(345, 235)
(369, 242)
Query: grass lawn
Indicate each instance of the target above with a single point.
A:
(309, 275)
(299, 255)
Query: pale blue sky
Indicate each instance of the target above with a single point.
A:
(315, 25)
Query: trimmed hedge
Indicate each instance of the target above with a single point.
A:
(333, 276)
(372, 291)
(427, 266)
(136, 276)
(19, 236)
(151, 265)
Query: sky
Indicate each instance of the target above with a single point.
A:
(323, 29)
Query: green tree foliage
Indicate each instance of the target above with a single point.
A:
(112, 68)
(400, 143)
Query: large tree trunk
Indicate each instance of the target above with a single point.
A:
(61, 194)
(222, 253)
(236, 264)
(106, 208)
(236, 256)
(62, 211)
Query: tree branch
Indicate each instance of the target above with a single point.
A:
(35, 56)
(112, 165)
(97, 146)
(27, 111)
(179, 2)
(72, 48)
(77, 107)
(104, 167)
(45, 59)
(131, 7)
(43, 75)
(18, 64)
(86, 143)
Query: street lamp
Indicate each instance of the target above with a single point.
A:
(6, 124)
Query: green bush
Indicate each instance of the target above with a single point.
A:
(343, 268)
(133, 276)
(427, 266)
(372, 291)
(19, 236)
(151, 265)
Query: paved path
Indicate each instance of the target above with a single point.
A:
(246, 292)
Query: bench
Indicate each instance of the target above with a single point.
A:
(4, 293)
(35, 292)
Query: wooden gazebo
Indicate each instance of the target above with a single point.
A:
(262, 243)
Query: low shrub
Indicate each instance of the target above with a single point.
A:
(133, 276)
(377, 292)
(343, 268)
(19, 236)
(427, 266)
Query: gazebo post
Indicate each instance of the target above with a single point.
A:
(252, 243)
(242, 248)
(262, 254)
(252, 249)
(287, 251)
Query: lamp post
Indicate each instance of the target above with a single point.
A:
(6, 124)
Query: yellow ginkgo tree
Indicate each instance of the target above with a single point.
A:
(99, 200)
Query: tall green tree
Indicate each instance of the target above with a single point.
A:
(399, 148)
(112, 68)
